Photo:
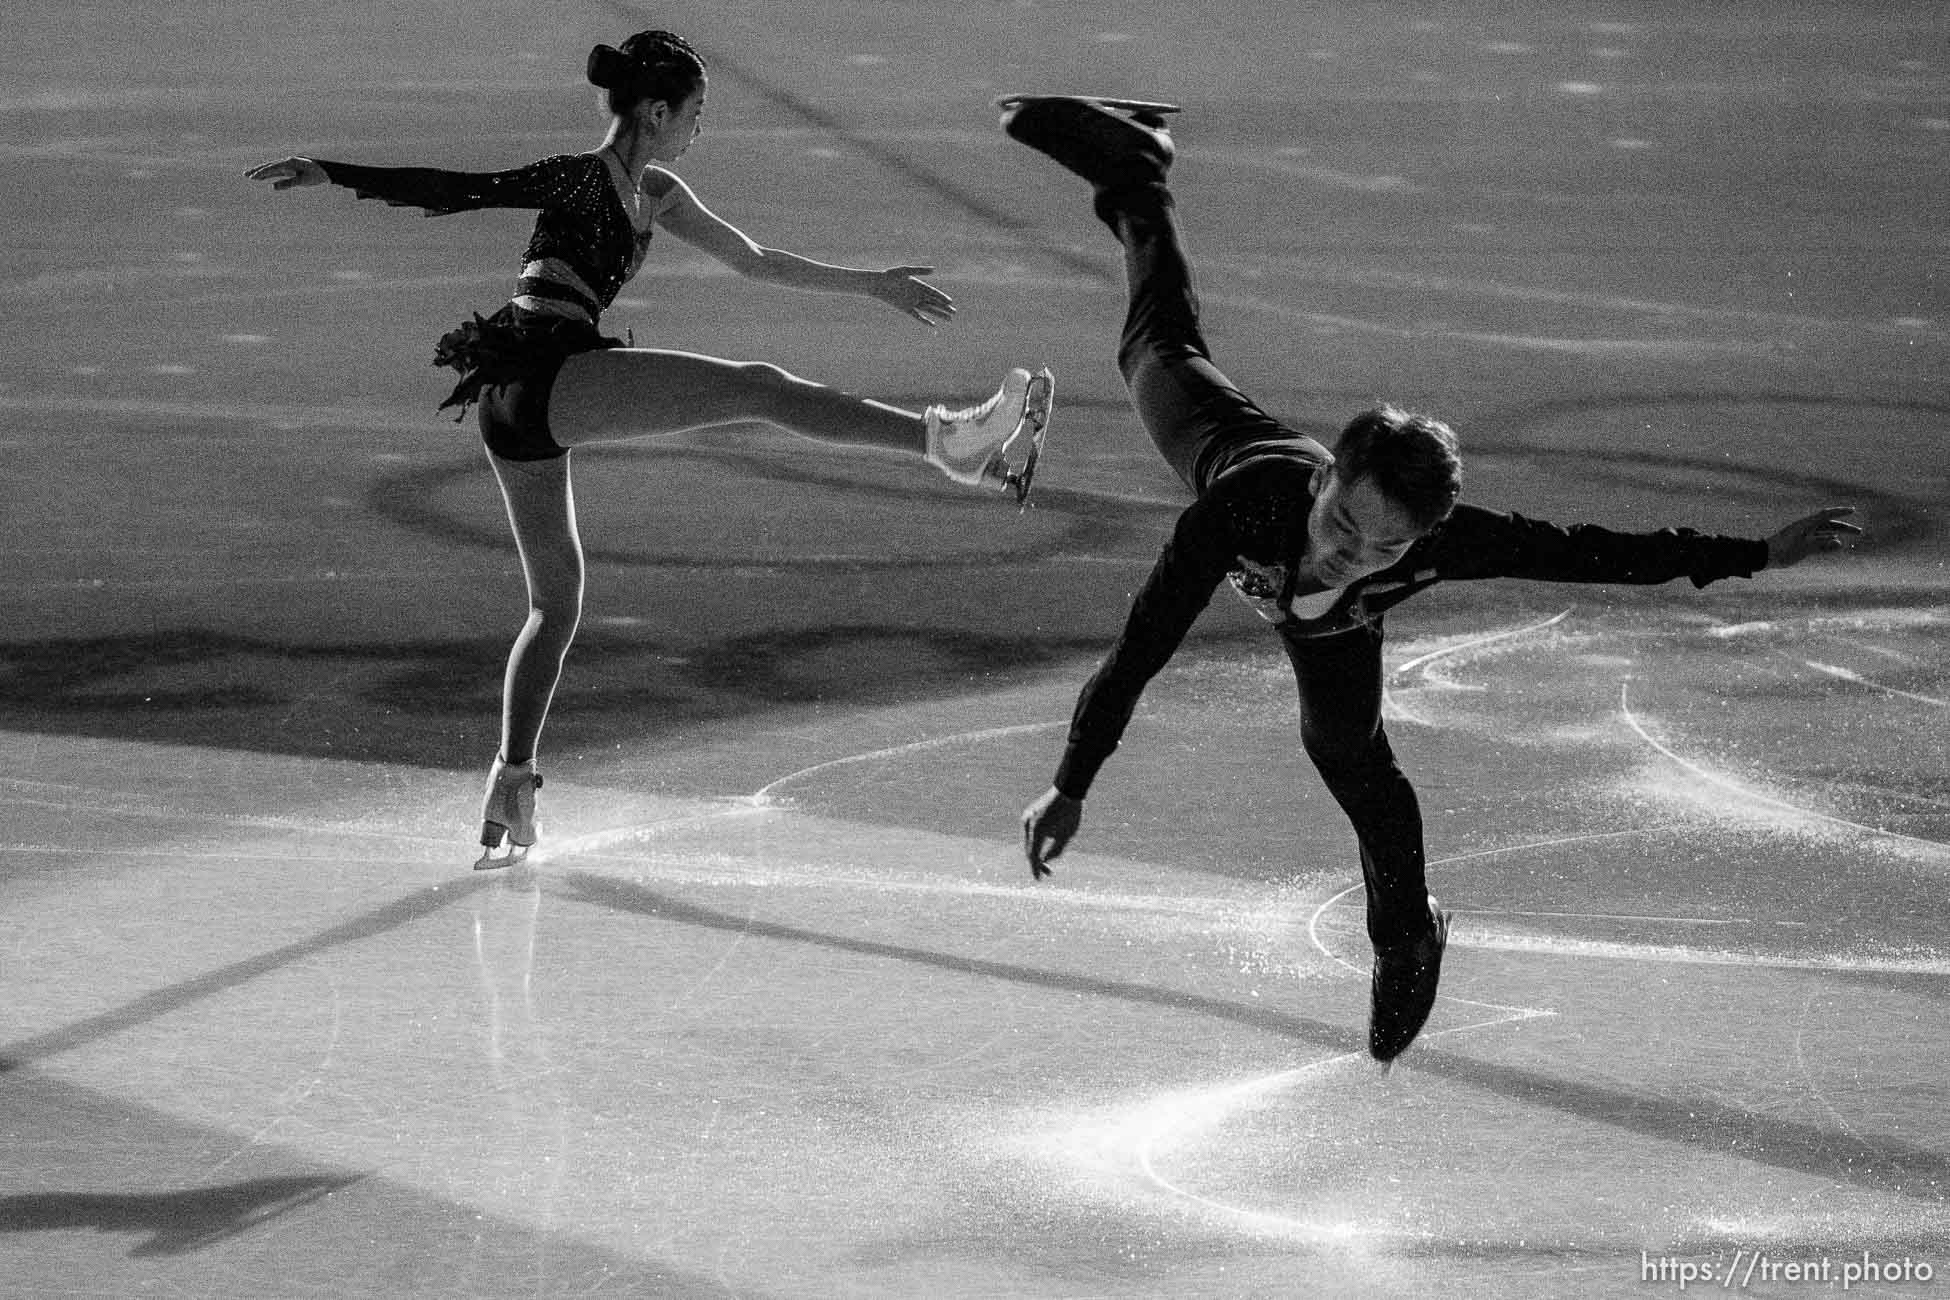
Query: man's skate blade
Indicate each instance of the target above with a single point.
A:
(1132, 106)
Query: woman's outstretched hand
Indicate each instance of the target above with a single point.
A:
(288, 173)
(1047, 826)
(1824, 530)
(903, 289)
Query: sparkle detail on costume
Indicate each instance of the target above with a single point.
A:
(582, 220)
(582, 224)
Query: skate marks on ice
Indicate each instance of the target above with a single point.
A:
(1824, 731)
(1745, 795)
(1196, 1058)
(1313, 1154)
(1767, 954)
(1183, 1144)
(1469, 647)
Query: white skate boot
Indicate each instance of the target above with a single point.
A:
(508, 813)
(972, 446)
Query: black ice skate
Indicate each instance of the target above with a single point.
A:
(1403, 991)
(1115, 144)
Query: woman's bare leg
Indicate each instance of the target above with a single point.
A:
(644, 392)
(541, 509)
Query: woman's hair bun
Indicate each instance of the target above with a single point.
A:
(650, 66)
(609, 67)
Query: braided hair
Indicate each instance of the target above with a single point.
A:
(654, 65)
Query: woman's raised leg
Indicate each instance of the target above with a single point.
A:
(621, 393)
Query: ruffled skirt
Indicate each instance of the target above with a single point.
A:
(512, 344)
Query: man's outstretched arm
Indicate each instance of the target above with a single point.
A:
(1477, 543)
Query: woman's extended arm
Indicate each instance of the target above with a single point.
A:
(440, 192)
(678, 210)
(288, 173)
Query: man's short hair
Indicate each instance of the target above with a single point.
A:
(1410, 458)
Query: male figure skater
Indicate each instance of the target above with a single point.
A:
(1320, 543)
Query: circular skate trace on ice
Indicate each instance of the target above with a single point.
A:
(1182, 1144)
(1183, 1121)
(1749, 795)
(1165, 1140)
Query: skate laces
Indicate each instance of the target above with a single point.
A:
(967, 413)
(968, 430)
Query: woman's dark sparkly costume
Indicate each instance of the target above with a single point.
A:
(508, 361)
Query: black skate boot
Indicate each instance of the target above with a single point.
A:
(1115, 144)
(1403, 991)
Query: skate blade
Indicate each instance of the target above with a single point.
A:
(498, 849)
(512, 856)
(1036, 413)
(1145, 112)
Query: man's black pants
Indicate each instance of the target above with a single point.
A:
(1203, 425)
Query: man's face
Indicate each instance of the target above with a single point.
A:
(1355, 529)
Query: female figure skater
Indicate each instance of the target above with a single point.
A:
(547, 381)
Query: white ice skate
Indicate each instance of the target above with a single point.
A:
(508, 814)
(972, 446)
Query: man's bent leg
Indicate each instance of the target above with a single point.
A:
(1339, 678)
(1193, 412)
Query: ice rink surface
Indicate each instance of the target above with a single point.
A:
(776, 1011)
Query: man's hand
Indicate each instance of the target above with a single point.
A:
(1824, 530)
(1047, 826)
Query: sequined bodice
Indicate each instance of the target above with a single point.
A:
(582, 221)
